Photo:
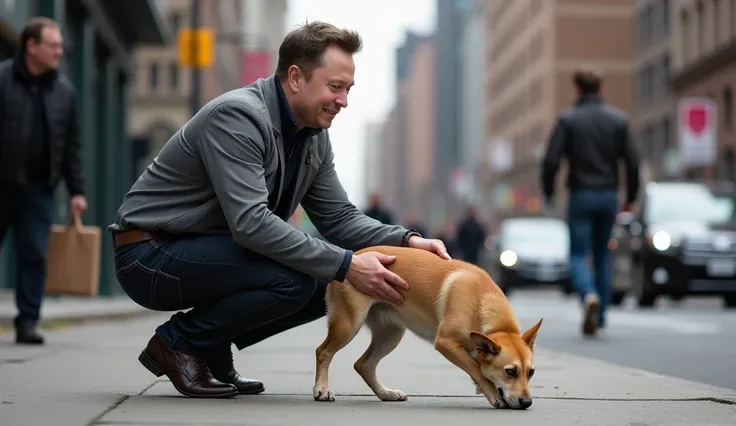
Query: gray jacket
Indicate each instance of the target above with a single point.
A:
(215, 174)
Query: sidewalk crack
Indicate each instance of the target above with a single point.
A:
(120, 401)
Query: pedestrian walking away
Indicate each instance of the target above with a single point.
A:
(204, 229)
(470, 236)
(594, 137)
(39, 146)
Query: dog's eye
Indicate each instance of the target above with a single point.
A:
(511, 372)
(531, 372)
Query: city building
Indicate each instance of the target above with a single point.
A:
(653, 121)
(100, 37)
(532, 49)
(448, 52)
(704, 65)
(265, 22)
(472, 102)
(419, 137)
(163, 99)
(391, 173)
(394, 185)
(372, 167)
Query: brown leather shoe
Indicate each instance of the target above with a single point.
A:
(220, 362)
(189, 374)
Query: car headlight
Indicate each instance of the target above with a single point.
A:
(508, 258)
(663, 240)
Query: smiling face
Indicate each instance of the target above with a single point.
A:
(317, 98)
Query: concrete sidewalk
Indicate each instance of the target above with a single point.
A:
(89, 375)
(69, 309)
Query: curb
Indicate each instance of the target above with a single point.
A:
(61, 320)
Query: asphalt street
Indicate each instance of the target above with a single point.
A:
(694, 339)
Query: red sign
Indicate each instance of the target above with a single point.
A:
(254, 65)
(697, 132)
(697, 118)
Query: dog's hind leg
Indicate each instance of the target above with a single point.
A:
(346, 312)
(386, 333)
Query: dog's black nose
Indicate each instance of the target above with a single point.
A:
(525, 402)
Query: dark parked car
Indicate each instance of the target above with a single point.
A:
(681, 242)
(530, 251)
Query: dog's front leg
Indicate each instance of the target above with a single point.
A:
(455, 352)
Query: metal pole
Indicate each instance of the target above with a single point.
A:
(196, 85)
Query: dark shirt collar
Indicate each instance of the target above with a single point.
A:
(589, 98)
(289, 126)
(21, 69)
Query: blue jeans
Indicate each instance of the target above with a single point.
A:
(235, 295)
(591, 215)
(30, 212)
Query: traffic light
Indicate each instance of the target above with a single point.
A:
(204, 56)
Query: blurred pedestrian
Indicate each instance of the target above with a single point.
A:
(413, 221)
(594, 137)
(376, 210)
(470, 236)
(446, 234)
(205, 226)
(39, 146)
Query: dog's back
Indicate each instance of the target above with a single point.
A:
(439, 290)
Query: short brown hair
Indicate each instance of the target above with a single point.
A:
(34, 27)
(587, 79)
(305, 46)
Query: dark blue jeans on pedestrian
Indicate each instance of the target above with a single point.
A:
(591, 215)
(29, 211)
(233, 295)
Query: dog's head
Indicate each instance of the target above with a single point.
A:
(507, 361)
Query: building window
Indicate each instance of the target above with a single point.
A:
(701, 28)
(649, 84)
(728, 108)
(175, 22)
(174, 76)
(666, 87)
(685, 40)
(729, 165)
(648, 142)
(153, 77)
(666, 135)
(716, 10)
(641, 87)
(647, 26)
(666, 17)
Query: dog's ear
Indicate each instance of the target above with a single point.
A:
(484, 344)
(530, 336)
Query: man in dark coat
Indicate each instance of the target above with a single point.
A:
(39, 146)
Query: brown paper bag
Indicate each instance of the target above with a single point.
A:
(73, 259)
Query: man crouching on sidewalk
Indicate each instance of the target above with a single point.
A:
(205, 226)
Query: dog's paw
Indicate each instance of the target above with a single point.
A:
(323, 394)
(499, 403)
(392, 395)
(497, 400)
(478, 391)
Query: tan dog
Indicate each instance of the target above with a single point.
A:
(451, 303)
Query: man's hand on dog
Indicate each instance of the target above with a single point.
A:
(435, 246)
(367, 274)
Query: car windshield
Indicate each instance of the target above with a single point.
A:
(542, 231)
(688, 203)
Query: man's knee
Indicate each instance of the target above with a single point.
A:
(296, 286)
(32, 251)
